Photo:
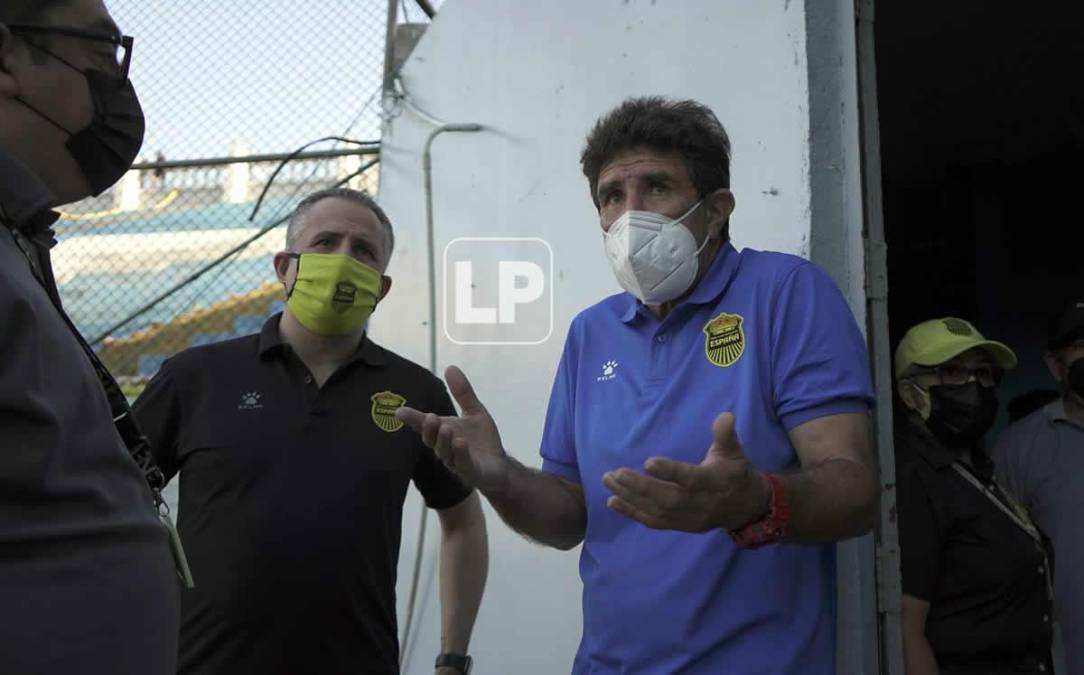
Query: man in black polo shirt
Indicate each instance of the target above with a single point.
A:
(87, 584)
(294, 470)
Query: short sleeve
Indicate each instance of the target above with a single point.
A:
(919, 535)
(558, 435)
(439, 486)
(1012, 459)
(157, 411)
(820, 364)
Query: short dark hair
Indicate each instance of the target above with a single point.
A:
(1065, 327)
(297, 225)
(22, 11)
(684, 127)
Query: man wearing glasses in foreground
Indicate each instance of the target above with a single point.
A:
(87, 583)
(976, 574)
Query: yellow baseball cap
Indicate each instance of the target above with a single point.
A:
(933, 342)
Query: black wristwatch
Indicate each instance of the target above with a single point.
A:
(455, 661)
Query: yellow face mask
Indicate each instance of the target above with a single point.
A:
(333, 294)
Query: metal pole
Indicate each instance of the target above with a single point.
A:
(211, 265)
(389, 47)
(427, 171)
(427, 178)
(372, 148)
(888, 550)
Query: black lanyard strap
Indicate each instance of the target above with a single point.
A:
(134, 440)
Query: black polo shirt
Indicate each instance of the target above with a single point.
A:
(291, 501)
(983, 575)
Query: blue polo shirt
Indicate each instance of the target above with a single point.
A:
(768, 337)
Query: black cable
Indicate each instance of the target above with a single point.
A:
(215, 263)
(295, 153)
(237, 249)
(427, 8)
(200, 294)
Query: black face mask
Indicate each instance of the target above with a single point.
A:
(106, 149)
(961, 414)
(1076, 377)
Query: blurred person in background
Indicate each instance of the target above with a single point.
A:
(1023, 405)
(708, 435)
(294, 471)
(87, 581)
(1040, 459)
(976, 570)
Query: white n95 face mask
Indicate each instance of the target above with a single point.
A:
(654, 258)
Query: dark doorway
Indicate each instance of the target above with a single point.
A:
(982, 140)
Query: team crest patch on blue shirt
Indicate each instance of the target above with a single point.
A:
(724, 339)
(385, 403)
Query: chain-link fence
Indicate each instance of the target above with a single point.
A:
(175, 255)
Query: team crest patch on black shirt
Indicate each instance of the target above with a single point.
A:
(724, 339)
(385, 403)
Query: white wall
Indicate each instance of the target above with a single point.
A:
(537, 75)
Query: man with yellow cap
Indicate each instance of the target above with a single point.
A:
(976, 574)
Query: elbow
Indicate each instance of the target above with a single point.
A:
(870, 505)
(568, 542)
(465, 522)
(576, 528)
(568, 535)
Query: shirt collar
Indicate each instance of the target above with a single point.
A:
(940, 457)
(24, 198)
(927, 447)
(271, 342)
(710, 288)
(1055, 412)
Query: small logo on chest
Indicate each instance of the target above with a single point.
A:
(345, 294)
(385, 403)
(250, 400)
(724, 339)
(609, 371)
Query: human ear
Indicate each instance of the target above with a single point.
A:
(385, 286)
(720, 204)
(282, 262)
(1055, 366)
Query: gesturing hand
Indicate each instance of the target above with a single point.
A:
(722, 491)
(469, 445)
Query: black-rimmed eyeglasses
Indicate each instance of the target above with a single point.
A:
(122, 44)
(953, 374)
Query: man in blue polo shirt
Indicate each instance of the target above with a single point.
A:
(719, 405)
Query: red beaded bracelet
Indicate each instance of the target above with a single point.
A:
(773, 527)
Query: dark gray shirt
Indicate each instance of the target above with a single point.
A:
(87, 583)
(1041, 460)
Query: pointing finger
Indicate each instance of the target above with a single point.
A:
(443, 447)
(461, 389)
(430, 429)
(411, 417)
